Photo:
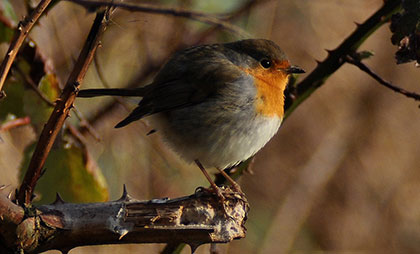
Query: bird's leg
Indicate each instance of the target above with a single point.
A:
(235, 185)
(213, 185)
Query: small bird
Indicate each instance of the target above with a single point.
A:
(215, 105)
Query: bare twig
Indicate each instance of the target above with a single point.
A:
(156, 9)
(380, 80)
(105, 83)
(62, 109)
(34, 87)
(86, 125)
(246, 7)
(20, 34)
(15, 123)
(195, 219)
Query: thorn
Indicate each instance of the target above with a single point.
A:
(65, 251)
(328, 51)
(2, 186)
(76, 86)
(58, 199)
(9, 196)
(122, 234)
(42, 172)
(151, 132)
(124, 196)
(357, 24)
(193, 247)
(125, 193)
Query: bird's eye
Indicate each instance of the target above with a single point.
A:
(266, 63)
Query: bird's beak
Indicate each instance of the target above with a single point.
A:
(295, 69)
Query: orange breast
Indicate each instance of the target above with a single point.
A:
(270, 90)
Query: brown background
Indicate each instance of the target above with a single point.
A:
(341, 176)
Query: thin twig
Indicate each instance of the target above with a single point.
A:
(234, 15)
(174, 11)
(101, 77)
(15, 123)
(83, 122)
(85, 125)
(62, 109)
(380, 80)
(34, 87)
(20, 34)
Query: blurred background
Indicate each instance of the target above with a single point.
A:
(341, 176)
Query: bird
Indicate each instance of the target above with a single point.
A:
(216, 105)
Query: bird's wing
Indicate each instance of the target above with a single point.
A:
(182, 83)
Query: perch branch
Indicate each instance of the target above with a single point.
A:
(21, 32)
(62, 109)
(174, 11)
(196, 219)
(380, 80)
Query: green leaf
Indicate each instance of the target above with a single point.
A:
(37, 109)
(6, 33)
(71, 172)
(9, 12)
(13, 103)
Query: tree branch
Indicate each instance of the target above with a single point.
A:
(363, 67)
(195, 220)
(20, 34)
(335, 58)
(156, 9)
(62, 109)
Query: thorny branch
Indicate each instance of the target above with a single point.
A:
(20, 34)
(335, 60)
(196, 219)
(329, 65)
(380, 80)
(62, 108)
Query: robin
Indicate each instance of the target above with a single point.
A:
(215, 105)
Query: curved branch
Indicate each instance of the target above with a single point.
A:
(335, 58)
(380, 80)
(62, 109)
(20, 34)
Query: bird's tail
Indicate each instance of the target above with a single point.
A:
(135, 92)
